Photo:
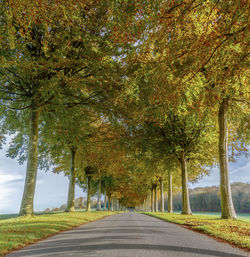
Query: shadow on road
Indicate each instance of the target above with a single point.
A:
(81, 249)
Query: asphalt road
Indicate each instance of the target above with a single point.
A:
(129, 235)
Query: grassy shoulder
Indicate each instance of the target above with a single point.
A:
(236, 232)
(18, 232)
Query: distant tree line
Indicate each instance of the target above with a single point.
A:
(81, 203)
(208, 199)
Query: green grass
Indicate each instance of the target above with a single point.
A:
(14, 215)
(21, 231)
(236, 232)
(240, 216)
(8, 216)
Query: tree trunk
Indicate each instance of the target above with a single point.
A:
(149, 202)
(27, 208)
(227, 207)
(112, 204)
(156, 199)
(105, 201)
(185, 195)
(109, 204)
(152, 200)
(71, 192)
(162, 195)
(99, 196)
(170, 193)
(88, 193)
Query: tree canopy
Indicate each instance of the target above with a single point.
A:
(123, 96)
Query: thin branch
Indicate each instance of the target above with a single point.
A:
(220, 44)
(14, 108)
(240, 100)
(84, 101)
(19, 77)
(11, 93)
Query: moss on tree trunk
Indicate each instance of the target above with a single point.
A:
(71, 190)
(112, 204)
(170, 193)
(109, 203)
(227, 207)
(185, 195)
(156, 198)
(152, 200)
(27, 208)
(105, 201)
(162, 195)
(88, 193)
(99, 196)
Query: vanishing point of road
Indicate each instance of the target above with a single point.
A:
(129, 235)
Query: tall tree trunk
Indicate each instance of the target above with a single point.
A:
(105, 201)
(227, 207)
(109, 203)
(99, 196)
(162, 195)
(170, 192)
(156, 198)
(112, 204)
(71, 190)
(88, 193)
(27, 208)
(152, 200)
(185, 195)
(149, 202)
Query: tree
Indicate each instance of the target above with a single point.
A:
(185, 136)
(209, 42)
(47, 64)
(89, 172)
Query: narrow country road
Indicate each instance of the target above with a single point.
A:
(129, 235)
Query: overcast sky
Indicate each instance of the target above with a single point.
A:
(52, 189)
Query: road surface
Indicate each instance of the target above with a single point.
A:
(129, 235)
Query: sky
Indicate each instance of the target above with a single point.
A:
(52, 189)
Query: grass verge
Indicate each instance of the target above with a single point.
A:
(18, 232)
(236, 232)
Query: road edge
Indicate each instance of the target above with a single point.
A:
(189, 227)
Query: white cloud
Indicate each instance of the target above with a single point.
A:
(5, 178)
(245, 168)
(4, 196)
(9, 188)
(239, 174)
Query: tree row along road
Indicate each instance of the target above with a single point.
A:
(130, 234)
(125, 97)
